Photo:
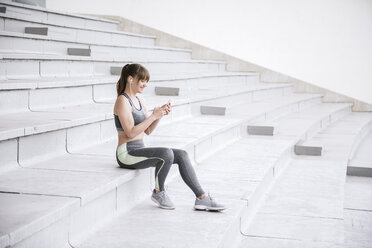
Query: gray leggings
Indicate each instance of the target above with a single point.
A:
(134, 155)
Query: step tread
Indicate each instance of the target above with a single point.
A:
(46, 82)
(213, 175)
(23, 214)
(363, 152)
(25, 123)
(76, 184)
(358, 221)
(52, 26)
(58, 25)
(55, 57)
(87, 163)
(308, 188)
(361, 163)
(336, 135)
(83, 175)
(291, 124)
(310, 195)
(253, 157)
(48, 38)
(39, 8)
(358, 193)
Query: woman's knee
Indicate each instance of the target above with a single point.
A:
(180, 153)
(168, 155)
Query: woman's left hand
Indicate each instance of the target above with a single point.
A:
(167, 107)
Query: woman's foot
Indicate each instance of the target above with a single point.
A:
(162, 200)
(207, 203)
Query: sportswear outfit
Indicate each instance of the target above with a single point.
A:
(134, 155)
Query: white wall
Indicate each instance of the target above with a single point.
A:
(325, 42)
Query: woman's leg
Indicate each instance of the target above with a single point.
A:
(159, 157)
(187, 171)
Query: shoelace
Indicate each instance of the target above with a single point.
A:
(213, 203)
(163, 196)
(210, 197)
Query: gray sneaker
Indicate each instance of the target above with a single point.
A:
(207, 203)
(162, 200)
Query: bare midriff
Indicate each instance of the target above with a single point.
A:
(122, 138)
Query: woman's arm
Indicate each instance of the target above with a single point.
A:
(151, 128)
(124, 111)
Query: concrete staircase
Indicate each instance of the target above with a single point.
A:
(60, 185)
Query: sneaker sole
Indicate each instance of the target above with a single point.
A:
(160, 206)
(204, 208)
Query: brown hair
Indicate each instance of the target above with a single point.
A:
(136, 71)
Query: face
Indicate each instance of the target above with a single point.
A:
(142, 84)
(139, 85)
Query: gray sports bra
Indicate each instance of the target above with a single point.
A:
(138, 114)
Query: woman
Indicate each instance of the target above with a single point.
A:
(132, 121)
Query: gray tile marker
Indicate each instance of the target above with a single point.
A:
(260, 130)
(308, 150)
(36, 30)
(79, 51)
(115, 70)
(167, 91)
(359, 168)
(211, 110)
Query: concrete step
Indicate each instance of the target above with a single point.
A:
(23, 215)
(184, 81)
(39, 14)
(286, 125)
(214, 177)
(12, 42)
(70, 95)
(238, 105)
(79, 34)
(54, 113)
(102, 189)
(348, 131)
(305, 205)
(358, 195)
(360, 163)
(76, 127)
(222, 107)
(37, 94)
(254, 163)
(20, 66)
(358, 212)
(97, 159)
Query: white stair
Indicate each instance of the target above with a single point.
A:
(250, 174)
(306, 205)
(60, 184)
(16, 42)
(360, 162)
(38, 14)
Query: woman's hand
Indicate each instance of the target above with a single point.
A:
(158, 112)
(167, 108)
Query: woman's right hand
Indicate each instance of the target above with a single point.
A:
(158, 112)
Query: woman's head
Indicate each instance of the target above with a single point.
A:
(132, 72)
